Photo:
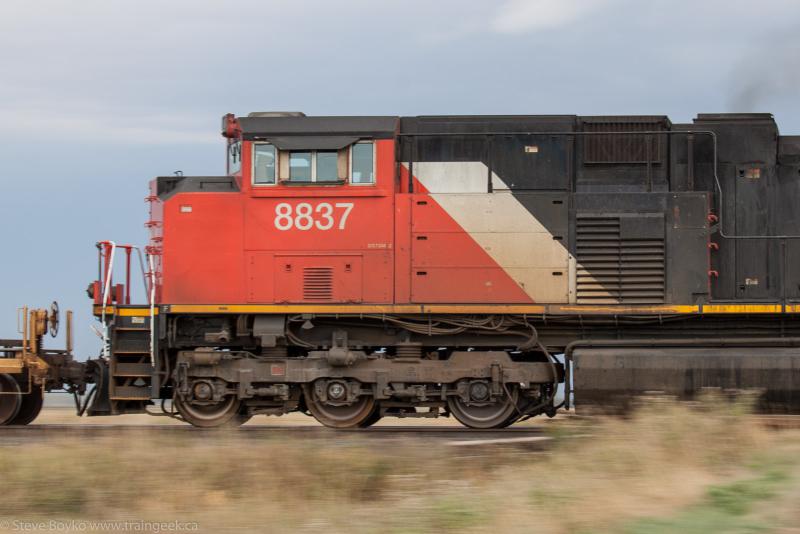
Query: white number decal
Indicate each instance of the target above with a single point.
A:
(302, 217)
(326, 211)
(348, 206)
(283, 216)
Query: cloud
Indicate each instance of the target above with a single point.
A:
(518, 16)
(107, 125)
(711, 17)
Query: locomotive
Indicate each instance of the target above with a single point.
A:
(354, 268)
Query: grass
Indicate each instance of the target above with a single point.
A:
(668, 468)
(727, 507)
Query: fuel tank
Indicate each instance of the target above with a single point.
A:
(608, 379)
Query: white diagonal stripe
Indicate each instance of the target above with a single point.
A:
(511, 235)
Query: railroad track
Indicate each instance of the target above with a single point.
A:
(455, 436)
(525, 436)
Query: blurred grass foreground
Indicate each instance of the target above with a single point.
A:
(670, 467)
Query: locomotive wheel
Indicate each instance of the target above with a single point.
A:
(484, 415)
(515, 415)
(224, 413)
(242, 417)
(30, 406)
(357, 414)
(374, 417)
(10, 399)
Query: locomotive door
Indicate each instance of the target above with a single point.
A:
(753, 277)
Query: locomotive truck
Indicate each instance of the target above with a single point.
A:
(354, 268)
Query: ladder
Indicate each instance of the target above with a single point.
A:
(130, 368)
(128, 339)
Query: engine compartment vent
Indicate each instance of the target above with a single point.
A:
(621, 259)
(318, 284)
(604, 147)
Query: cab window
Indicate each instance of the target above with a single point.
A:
(327, 166)
(362, 163)
(354, 164)
(300, 166)
(264, 157)
(314, 166)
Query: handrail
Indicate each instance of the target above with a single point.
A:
(110, 266)
(110, 248)
(106, 289)
(152, 310)
(141, 267)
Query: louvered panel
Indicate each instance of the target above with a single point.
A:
(318, 284)
(612, 270)
(624, 147)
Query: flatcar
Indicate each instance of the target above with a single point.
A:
(354, 268)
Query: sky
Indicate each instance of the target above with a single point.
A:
(97, 97)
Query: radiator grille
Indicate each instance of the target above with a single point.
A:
(627, 148)
(613, 270)
(318, 284)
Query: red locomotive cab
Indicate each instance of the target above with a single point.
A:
(305, 215)
(318, 216)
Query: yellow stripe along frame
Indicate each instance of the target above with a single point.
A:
(410, 309)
